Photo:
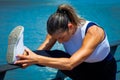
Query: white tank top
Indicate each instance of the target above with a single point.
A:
(101, 51)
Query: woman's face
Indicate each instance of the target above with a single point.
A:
(64, 36)
(61, 36)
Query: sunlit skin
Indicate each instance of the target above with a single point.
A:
(93, 37)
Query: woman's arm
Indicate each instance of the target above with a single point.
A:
(93, 37)
(48, 43)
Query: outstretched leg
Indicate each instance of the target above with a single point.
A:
(54, 54)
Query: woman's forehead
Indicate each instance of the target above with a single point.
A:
(59, 31)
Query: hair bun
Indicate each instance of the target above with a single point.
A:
(61, 11)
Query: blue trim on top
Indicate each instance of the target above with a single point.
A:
(89, 25)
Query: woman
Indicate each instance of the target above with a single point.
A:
(86, 45)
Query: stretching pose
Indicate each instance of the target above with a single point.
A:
(87, 51)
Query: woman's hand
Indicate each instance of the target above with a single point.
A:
(28, 58)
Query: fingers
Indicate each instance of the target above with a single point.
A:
(26, 59)
(22, 61)
(22, 57)
(27, 49)
(25, 53)
(25, 65)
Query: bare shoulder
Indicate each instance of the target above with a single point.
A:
(94, 36)
(96, 31)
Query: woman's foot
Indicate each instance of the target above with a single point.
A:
(15, 44)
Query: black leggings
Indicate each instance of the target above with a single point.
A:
(104, 70)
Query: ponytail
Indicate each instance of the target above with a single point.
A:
(70, 12)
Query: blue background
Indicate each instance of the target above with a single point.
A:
(33, 14)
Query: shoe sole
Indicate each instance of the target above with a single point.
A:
(12, 41)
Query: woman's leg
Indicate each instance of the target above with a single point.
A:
(58, 54)
(104, 70)
(110, 70)
(52, 53)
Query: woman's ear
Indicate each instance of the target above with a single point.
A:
(70, 25)
(72, 28)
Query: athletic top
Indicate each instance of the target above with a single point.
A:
(75, 42)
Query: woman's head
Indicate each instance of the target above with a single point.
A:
(64, 19)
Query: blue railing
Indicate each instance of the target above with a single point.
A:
(6, 67)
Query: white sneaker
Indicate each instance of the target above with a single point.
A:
(15, 44)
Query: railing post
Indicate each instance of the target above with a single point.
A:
(2, 75)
